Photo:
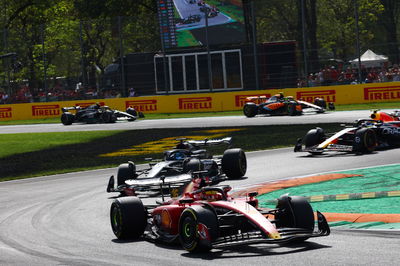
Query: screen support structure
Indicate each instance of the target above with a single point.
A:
(254, 41)
(210, 78)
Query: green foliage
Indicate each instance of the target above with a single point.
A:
(69, 28)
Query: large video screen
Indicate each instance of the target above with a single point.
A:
(183, 22)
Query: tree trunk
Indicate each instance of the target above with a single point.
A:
(312, 33)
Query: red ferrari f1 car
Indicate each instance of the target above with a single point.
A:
(207, 217)
(280, 105)
(382, 130)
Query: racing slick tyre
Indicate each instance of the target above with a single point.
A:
(128, 218)
(141, 115)
(365, 140)
(192, 165)
(250, 109)
(198, 227)
(291, 109)
(126, 171)
(294, 212)
(108, 117)
(320, 102)
(314, 137)
(131, 111)
(67, 118)
(234, 163)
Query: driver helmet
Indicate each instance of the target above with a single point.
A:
(178, 155)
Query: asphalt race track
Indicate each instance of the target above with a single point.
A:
(222, 121)
(64, 219)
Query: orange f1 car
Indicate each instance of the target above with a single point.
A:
(280, 105)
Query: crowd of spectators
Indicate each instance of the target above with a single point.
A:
(329, 75)
(338, 75)
(25, 95)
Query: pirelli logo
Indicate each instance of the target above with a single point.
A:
(143, 105)
(382, 93)
(196, 103)
(46, 110)
(309, 96)
(5, 112)
(84, 105)
(240, 100)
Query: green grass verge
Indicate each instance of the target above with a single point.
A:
(345, 107)
(36, 154)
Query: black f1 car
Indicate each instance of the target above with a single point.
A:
(206, 217)
(365, 135)
(188, 20)
(97, 113)
(279, 105)
(175, 170)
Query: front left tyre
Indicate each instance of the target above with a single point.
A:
(126, 171)
(198, 227)
(314, 137)
(294, 212)
(128, 218)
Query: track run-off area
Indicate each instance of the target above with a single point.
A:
(64, 219)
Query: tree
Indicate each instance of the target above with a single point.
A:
(389, 19)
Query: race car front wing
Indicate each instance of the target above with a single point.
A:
(287, 235)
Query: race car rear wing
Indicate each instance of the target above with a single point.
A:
(66, 109)
(210, 142)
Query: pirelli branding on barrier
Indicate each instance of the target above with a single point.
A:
(240, 100)
(195, 103)
(46, 110)
(382, 93)
(84, 105)
(5, 112)
(309, 95)
(143, 105)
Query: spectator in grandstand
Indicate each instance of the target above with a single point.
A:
(4, 98)
(132, 92)
(396, 73)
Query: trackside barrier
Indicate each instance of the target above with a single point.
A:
(209, 102)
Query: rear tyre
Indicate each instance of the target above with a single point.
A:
(67, 118)
(365, 140)
(294, 212)
(108, 117)
(198, 227)
(234, 163)
(128, 218)
(291, 109)
(126, 171)
(250, 109)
